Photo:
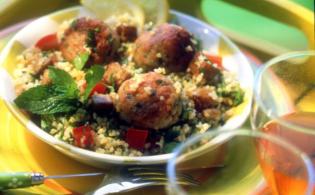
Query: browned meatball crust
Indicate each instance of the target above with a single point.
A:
(89, 35)
(127, 33)
(202, 65)
(169, 46)
(115, 75)
(149, 101)
(73, 45)
(203, 97)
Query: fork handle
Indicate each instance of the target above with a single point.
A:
(20, 180)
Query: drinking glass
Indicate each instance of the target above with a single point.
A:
(244, 155)
(284, 103)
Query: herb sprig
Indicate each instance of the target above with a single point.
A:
(92, 77)
(61, 96)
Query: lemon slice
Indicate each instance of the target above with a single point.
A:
(109, 9)
(155, 11)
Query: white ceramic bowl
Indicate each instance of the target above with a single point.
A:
(212, 41)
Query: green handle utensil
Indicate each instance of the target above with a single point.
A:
(27, 179)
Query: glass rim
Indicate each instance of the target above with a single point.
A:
(171, 164)
(257, 86)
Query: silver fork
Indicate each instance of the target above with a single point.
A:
(131, 178)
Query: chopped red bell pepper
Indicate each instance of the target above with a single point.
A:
(136, 138)
(48, 42)
(99, 88)
(83, 136)
(215, 60)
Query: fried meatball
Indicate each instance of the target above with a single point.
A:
(115, 75)
(202, 65)
(45, 79)
(204, 97)
(38, 61)
(149, 101)
(211, 114)
(92, 36)
(168, 46)
(127, 33)
(73, 45)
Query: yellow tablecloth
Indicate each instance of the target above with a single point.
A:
(21, 151)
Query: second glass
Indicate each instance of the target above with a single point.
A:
(232, 162)
(285, 104)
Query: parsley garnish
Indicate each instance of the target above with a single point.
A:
(237, 96)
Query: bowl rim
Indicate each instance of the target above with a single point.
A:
(108, 158)
(258, 82)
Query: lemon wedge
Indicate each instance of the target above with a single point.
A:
(155, 11)
(109, 9)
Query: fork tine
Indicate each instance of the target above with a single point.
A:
(192, 181)
(146, 169)
(148, 173)
(165, 180)
(156, 171)
(163, 177)
(162, 174)
(159, 175)
(162, 168)
(160, 183)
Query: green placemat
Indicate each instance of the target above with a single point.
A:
(257, 31)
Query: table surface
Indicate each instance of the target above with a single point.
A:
(21, 151)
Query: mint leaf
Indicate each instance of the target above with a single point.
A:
(33, 94)
(63, 83)
(92, 77)
(80, 60)
(59, 97)
(52, 105)
(44, 100)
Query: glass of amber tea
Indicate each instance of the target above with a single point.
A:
(285, 107)
(234, 161)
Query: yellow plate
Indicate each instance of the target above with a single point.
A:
(21, 151)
